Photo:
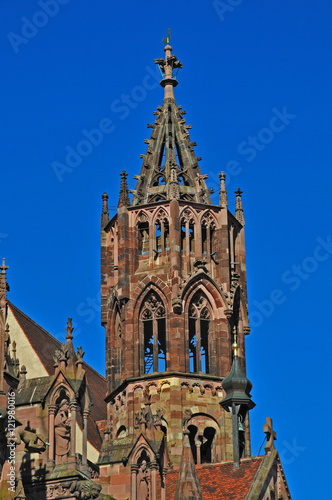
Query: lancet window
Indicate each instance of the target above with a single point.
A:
(199, 326)
(143, 236)
(187, 233)
(208, 233)
(162, 234)
(153, 325)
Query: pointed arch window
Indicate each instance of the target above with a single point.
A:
(153, 324)
(199, 326)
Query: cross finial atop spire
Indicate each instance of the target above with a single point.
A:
(124, 196)
(167, 65)
(239, 207)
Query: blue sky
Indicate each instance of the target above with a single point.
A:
(256, 87)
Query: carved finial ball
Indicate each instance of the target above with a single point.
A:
(23, 369)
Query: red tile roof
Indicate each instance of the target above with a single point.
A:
(44, 345)
(219, 481)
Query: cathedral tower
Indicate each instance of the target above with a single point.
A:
(173, 288)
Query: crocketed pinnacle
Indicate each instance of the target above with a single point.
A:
(238, 207)
(105, 217)
(124, 196)
(223, 192)
(3, 280)
(170, 167)
(69, 347)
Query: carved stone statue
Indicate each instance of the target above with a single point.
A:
(143, 482)
(62, 428)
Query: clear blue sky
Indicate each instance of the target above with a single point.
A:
(243, 69)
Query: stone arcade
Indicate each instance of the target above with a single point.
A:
(171, 419)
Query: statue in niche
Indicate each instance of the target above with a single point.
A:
(143, 482)
(62, 431)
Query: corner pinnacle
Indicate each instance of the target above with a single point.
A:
(124, 196)
(239, 207)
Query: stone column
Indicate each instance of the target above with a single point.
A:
(154, 469)
(198, 452)
(73, 409)
(51, 449)
(85, 439)
(134, 469)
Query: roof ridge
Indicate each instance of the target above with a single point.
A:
(49, 334)
(32, 321)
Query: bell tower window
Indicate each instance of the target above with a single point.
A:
(153, 322)
(199, 325)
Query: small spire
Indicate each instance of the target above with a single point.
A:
(239, 215)
(124, 196)
(223, 192)
(3, 280)
(105, 215)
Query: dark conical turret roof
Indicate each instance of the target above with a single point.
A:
(236, 385)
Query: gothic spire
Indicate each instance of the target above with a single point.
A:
(124, 197)
(170, 167)
(223, 192)
(239, 207)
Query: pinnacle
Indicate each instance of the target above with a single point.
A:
(124, 196)
(239, 214)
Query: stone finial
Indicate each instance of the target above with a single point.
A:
(105, 214)
(3, 280)
(69, 329)
(23, 373)
(223, 192)
(124, 196)
(239, 215)
(271, 436)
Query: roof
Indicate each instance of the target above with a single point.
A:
(220, 480)
(44, 345)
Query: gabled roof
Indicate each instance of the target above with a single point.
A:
(221, 480)
(44, 345)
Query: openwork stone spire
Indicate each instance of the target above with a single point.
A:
(239, 207)
(170, 167)
(124, 197)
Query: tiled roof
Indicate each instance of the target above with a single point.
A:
(44, 345)
(219, 481)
